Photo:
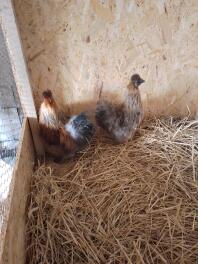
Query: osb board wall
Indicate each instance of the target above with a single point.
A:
(77, 47)
(14, 249)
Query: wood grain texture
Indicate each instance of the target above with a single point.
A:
(75, 47)
(14, 243)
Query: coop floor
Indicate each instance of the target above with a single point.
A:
(132, 203)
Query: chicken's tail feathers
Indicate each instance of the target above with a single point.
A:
(80, 128)
(66, 140)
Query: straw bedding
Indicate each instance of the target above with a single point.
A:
(132, 203)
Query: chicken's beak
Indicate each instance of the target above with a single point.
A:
(140, 81)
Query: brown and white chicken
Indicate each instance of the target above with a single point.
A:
(62, 141)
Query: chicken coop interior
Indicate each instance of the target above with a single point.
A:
(94, 63)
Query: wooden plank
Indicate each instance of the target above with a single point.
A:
(14, 246)
(36, 138)
(19, 69)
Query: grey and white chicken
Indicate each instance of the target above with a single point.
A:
(121, 121)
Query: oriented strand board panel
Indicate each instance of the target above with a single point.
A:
(77, 47)
(14, 249)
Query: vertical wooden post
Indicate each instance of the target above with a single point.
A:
(10, 31)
